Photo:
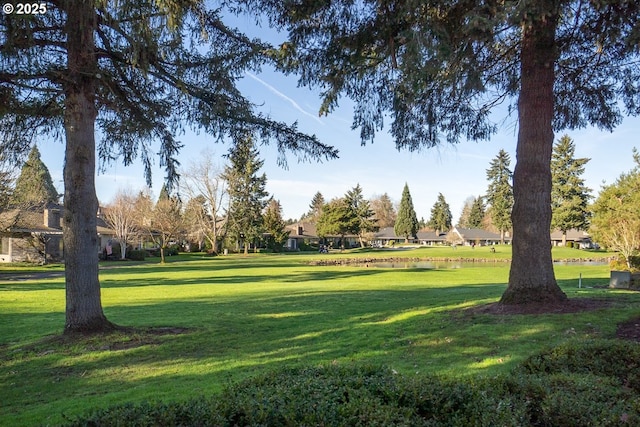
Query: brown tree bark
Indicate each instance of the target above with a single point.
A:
(84, 312)
(531, 279)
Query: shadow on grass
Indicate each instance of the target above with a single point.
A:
(414, 329)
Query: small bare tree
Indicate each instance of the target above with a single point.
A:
(162, 221)
(120, 215)
(203, 183)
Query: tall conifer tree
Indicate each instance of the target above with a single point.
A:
(274, 226)
(361, 208)
(34, 186)
(247, 194)
(441, 218)
(569, 194)
(476, 215)
(500, 193)
(407, 221)
(315, 207)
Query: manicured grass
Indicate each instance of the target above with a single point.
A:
(248, 315)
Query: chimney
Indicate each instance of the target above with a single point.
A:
(52, 218)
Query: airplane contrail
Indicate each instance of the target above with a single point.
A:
(283, 96)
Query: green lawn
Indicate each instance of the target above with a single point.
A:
(246, 315)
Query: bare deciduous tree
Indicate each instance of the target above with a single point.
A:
(120, 215)
(203, 181)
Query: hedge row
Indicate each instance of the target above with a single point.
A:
(593, 383)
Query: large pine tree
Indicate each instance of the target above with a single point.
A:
(500, 192)
(315, 207)
(569, 194)
(441, 219)
(274, 226)
(361, 208)
(34, 186)
(247, 194)
(477, 213)
(141, 72)
(7, 179)
(437, 70)
(407, 221)
(337, 219)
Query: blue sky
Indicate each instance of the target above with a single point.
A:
(456, 171)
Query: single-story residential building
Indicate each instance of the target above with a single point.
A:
(474, 237)
(306, 233)
(387, 236)
(432, 238)
(580, 239)
(299, 234)
(31, 235)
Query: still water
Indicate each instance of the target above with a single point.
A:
(447, 265)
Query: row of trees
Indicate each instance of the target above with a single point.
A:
(569, 203)
(570, 196)
(230, 205)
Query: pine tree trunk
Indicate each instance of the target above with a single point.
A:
(531, 279)
(83, 304)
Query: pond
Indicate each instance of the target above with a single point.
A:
(448, 265)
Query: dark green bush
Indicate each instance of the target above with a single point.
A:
(577, 384)
(136, 255)
(605, 358)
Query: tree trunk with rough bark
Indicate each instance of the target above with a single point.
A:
(531, 279)
(84, 312)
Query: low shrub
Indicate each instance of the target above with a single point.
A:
(578, 384)
(620, 263)
(136, 255)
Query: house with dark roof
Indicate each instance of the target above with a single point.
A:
(35, 235)
(432, 238)
(300, 234)
(306, 233)
(474, 237)
(31, 235)
(579, 238)
(386, 236)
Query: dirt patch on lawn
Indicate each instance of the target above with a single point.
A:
(629, 330)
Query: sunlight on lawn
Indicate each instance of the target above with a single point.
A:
(288, 314)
